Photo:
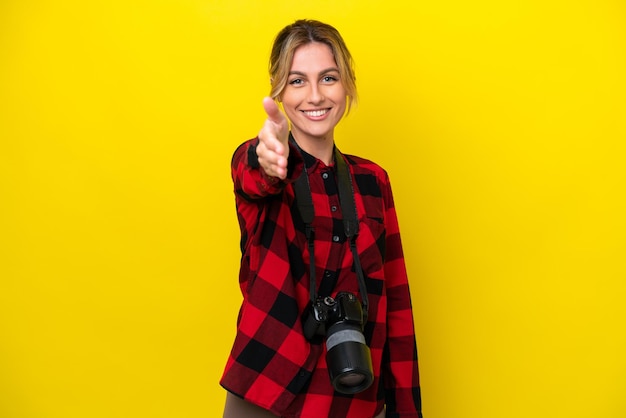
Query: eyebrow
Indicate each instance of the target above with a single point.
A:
(327, 70)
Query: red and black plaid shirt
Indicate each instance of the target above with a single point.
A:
(271, 363)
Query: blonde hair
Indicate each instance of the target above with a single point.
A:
(301, 33)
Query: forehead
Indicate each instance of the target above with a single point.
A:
(313, 57)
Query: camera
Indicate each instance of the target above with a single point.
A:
(341, 320)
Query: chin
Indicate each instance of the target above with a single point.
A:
(318, 131)
(318, 135)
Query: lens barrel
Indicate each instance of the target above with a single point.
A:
(348, 359)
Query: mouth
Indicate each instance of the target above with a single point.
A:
(316, 113)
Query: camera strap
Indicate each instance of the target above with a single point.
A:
(304, 200)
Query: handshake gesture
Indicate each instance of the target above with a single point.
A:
(273, 148)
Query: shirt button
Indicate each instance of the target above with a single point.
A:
(325, 176)
(333, 208)
(336, 238)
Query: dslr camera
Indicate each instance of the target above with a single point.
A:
(341, 321)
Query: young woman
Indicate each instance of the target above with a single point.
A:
(326, 327)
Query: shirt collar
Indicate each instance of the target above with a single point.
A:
(311, 162)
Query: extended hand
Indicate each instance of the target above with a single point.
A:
(273, 148)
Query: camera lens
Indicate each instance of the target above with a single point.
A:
(349, 359)
(351, 379)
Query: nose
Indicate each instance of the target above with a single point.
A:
(315, 94)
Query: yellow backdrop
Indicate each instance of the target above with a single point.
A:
(502, 125)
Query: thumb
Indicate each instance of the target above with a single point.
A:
(272, 110)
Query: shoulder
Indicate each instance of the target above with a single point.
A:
(245, 150)
(363, 166)
(243, 147)
(370, 178)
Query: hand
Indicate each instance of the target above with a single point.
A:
(273, 148)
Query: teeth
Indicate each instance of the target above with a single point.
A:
(316, 113)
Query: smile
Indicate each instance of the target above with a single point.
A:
(315, 113)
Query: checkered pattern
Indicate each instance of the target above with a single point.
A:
(271, 363)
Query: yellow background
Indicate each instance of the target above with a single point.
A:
(502, 125)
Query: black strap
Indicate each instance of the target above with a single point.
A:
(304, 199)
(350, 222)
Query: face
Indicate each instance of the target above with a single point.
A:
(314, 98)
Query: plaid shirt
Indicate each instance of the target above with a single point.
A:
(271, 363)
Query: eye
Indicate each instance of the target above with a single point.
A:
(329, 79)
(296, 82)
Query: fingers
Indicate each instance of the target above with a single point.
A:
(273, 112)
(273, 163)
(273, 149)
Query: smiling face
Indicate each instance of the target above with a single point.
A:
(314, 98)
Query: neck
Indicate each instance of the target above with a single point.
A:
(320, 148)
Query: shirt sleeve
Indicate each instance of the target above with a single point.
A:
(250, 180)
(400, 365)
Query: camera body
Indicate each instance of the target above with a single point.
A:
(327, 311)
(341, 320)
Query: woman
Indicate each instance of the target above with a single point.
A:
(306, 272)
